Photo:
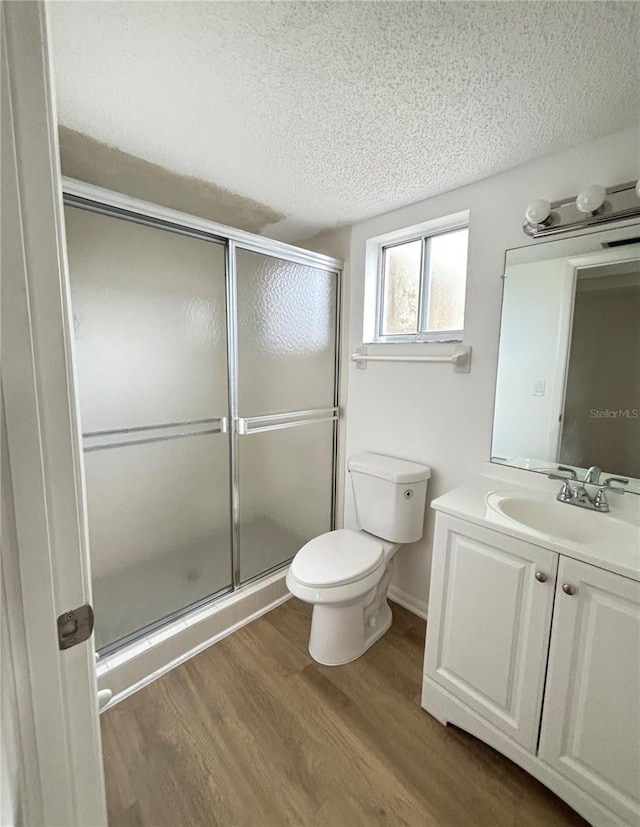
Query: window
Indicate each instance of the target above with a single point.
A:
(421, 287)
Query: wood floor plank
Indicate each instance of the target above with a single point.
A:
(253, 733)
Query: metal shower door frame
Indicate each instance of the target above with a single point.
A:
(107, 202)
(242, 426)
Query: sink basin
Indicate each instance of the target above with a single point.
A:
(545, 515)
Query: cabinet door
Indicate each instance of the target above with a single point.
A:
(488, 624)
(591, 721)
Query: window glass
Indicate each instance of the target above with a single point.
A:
(402, 266)
(423, 287)
(447, 280)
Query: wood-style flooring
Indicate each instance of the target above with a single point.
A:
(253, 732)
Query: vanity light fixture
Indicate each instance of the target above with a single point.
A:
(591, 199)
(593, 205)
(538, 213)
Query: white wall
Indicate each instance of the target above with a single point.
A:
(426, 412)
(534, 339)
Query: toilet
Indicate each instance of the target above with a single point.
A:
(345, 574)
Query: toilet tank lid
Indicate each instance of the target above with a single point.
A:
(388, 468)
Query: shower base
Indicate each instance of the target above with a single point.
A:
(129, 599)
(139, 663)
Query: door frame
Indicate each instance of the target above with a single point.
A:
(100, 199)
(43, 443)
(574, 264)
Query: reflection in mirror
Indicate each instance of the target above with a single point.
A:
(568, 386)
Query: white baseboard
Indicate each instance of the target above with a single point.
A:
(408, 601)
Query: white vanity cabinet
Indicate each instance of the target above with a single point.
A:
(489, 622)
(591, 720)
(538, 654)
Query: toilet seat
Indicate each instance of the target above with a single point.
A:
(337, 558)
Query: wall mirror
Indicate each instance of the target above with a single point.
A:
(568, 385)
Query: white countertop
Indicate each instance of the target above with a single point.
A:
(611, 541)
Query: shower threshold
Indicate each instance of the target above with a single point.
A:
(142, 661)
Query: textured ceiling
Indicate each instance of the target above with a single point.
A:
(334, 112)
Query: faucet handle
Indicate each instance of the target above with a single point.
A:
(566, 492)
(607, 484)
(600, 500)
(571, 471)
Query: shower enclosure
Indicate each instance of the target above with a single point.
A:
(206, 371)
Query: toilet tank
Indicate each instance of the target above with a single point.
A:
(390, 496)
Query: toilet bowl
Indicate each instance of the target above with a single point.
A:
(345, 574)
(341, 573)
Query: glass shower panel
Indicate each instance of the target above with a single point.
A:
(158, 530)
(151, 361)
(286, 481)
(149, 318)
(286, 375)
(286, 335)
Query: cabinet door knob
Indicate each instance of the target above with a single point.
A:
(541, 577)
(567, 588)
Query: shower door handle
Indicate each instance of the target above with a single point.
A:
(274, 422)
(143, 434)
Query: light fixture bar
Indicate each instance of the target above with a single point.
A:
(620, 202)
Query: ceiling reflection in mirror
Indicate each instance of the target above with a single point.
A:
(568, 385)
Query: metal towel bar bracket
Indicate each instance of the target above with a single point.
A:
(460, 358)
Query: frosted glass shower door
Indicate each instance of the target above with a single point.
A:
(151, 358)
(286, 407)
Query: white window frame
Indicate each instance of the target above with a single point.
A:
(374, 281)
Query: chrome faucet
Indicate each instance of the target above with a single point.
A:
(593, 475)
(578, 494)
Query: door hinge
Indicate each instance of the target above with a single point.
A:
(75, 626)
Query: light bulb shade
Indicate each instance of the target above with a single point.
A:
(591, 198)
(537, 211)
